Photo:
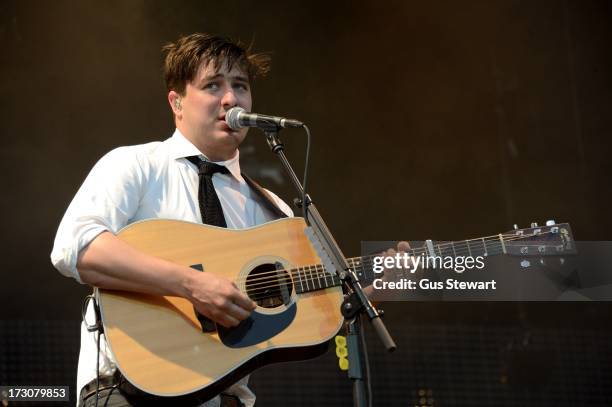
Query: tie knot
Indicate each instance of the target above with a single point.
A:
(207, 168)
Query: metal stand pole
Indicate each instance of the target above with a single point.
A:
(355, 301)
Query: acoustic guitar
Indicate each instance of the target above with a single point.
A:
(163, 347)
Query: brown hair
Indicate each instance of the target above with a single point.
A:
(185, 56)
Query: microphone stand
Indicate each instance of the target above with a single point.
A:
(355, 301)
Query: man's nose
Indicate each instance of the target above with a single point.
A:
(229, 99)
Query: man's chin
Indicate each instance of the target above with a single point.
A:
(232, 137)
(229, 140)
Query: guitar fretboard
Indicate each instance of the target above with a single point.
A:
(316, 277)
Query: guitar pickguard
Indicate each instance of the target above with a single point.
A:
(257, 328)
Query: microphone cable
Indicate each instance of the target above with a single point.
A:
(305, 178)
(93, 328)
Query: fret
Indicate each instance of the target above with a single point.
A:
(351, 264)
(493, 247)
(366, 269)
(322, 276)
(298, 279)
(503, 245)
(430, 248)
(325, 276)
(312, 278)
(466, 244)
(318, 277)
(477, 248)
(302, 279)
(306, 276)
(368, 273)
(356, 264)
(484, 245)
(445, 250)
(362, 269)
(449, 250)
(480, 248)
(358, 268)
(299, 276)
(466, 248)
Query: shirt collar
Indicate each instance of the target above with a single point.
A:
(180, 147)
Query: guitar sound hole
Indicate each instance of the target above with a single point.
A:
(268, 286)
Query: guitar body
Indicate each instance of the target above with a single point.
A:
(159, 343)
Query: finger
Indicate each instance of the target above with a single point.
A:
(243, 301)
(219, 317)
(403, 246)
(391, 274)
(390, 252)
(226, 320)
(237, 312)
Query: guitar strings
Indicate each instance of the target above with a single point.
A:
(261, 293)
(300, 271)
(282, 276)
(311, 279)
(420, 250)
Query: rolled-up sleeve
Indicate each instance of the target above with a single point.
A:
(106, 201)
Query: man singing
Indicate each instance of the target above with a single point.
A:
(205, 76)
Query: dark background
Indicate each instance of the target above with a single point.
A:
(445, 120)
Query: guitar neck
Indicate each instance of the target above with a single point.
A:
(316, 277)
(552, 239)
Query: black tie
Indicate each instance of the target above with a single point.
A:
(210, 207)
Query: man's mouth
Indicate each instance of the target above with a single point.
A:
(225, 126)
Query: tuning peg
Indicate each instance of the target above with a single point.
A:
(515, 226)
(534, 224)
(550, 222)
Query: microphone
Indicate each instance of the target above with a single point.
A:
(237, 118)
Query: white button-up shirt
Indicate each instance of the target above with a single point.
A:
(147, 181)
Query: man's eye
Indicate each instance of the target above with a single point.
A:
(241, 86)
(211, 86)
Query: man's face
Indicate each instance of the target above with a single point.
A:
(207, 98)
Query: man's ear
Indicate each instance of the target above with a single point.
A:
(175, 102)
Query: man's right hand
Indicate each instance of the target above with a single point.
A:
(218, 299)
(110, 263)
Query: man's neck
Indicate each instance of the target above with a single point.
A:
(213, 154)
(217, 156)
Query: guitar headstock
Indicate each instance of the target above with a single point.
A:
(553, 239)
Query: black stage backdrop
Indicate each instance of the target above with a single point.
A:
(444, 120)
